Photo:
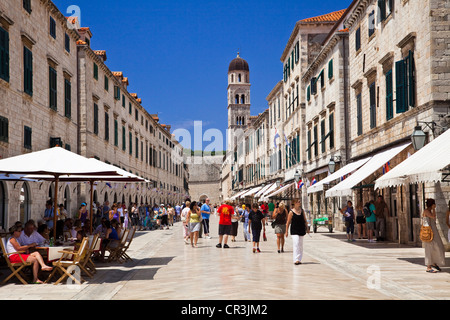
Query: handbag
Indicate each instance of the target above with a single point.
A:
(426, 233)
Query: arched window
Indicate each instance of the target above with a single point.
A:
(239, 77)
(243, 121)
(24, 203)
(242, 99)
(232, 78)
(236, 101)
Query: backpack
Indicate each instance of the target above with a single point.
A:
(366, 210)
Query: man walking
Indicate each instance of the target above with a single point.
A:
(225, 212)
(205, 210)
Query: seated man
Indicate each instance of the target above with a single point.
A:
(30, 235)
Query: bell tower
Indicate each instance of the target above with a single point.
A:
(238, 98)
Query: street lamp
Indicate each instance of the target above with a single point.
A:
(418, 138)
(332, 163)
(297, 176)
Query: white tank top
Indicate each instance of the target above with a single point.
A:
(9, 247)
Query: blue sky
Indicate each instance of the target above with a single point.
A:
(176, 53)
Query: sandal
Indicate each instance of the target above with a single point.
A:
(436, 267)
(431, 271)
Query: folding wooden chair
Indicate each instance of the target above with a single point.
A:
(63, 264)
(16, 268)
(87, 265)
(115, 246)
(123, 255)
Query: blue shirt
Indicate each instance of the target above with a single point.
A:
(205, 207)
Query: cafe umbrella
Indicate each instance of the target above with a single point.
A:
(54, 162)
(121, 177)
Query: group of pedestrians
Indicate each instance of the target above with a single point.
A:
(254, 219)
(369, 219)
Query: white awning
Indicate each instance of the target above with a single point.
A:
(376, 162)
(263, 189)
(280, 190)
(263, 196)
(426, 165)
(338, 174)
(237, 195)
(250, 192)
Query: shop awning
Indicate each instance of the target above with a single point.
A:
(376, 162)
(337, 175)
(263, 196)
(263, 189)
(250, 192)
(237, 195)
(286, 187)
(426, 165)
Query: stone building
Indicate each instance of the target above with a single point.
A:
(205, 178)
(49, 96)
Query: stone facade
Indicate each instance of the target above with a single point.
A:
(204, 179)
(390, 73)
(56, 107)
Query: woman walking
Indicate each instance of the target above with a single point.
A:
(296, 220)
(256, 222)
(193, 217)
(244, 219)
(184, 214)
(280, 219)
(235, 222)
(349, 217)
(434, 250)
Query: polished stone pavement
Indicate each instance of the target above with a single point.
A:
(165, 268)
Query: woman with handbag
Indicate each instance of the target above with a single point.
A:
(434, 249)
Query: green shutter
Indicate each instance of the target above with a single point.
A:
(53, 94)
(4, 54)
(389, 96)
(411, 80)
(95, 71)
(330, 69)
(359, 119)
(95, 118)
(67, 98)
(401, 84)
(373, 106)
(331, 129)
(28, 71)
(382, 9)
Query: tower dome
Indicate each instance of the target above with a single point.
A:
(238, 64)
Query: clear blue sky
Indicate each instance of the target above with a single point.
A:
(176, 53)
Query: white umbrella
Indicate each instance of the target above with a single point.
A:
(55, 162)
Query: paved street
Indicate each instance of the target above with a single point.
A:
(164, 268)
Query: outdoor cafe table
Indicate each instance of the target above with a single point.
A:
(54, 253)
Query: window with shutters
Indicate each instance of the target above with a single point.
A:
(4, 128)
(358, 39)
(53, 91)
(385, 8)
(95, 119)
(106, 83)
(95, 71)
(371, 22)
(331, 129)
(405, 83)
(330, 69)
(53, 28)
(389, 96)
(314, 86)
(309, 144)
(67, 42)
(359, 119)
(130, 143)
(67, 98)
(124, 138)
(316, 146)
(322, 136)
(117, 92)
(28, 71)
(297, 52)
(27, 5)
(116, 133)
(4, 54)
(106, 126)
(373, 106)
(27, 142)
